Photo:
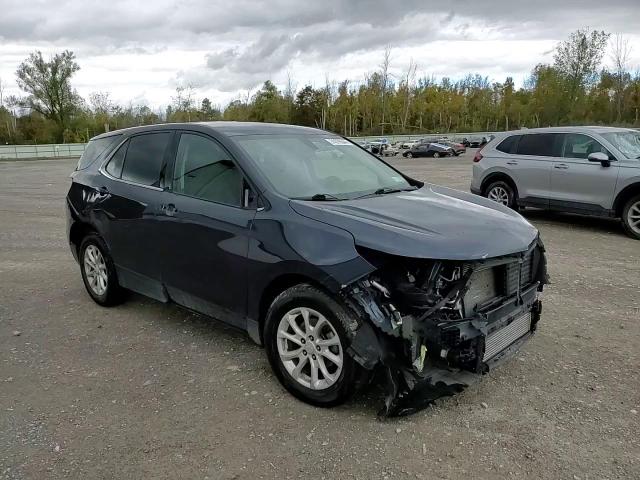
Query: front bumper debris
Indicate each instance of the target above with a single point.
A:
(428, 353)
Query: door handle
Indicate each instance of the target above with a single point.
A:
(561, 166)
(512, 163)
(169, 209)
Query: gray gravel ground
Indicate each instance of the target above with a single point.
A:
(147, 390)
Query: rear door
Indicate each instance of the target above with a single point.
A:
(531, 164)
(205, 230)
(131, 187)
(578, 184)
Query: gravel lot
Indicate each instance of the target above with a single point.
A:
(147, 390)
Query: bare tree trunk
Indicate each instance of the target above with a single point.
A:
(409, 82)
(620, 57)
(384, 67)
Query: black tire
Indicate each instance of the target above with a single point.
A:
(352, 375)
(113, 295)
(436, 154)
(626, 217)
(408, 155)
(512, 200)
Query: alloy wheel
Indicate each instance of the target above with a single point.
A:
(310, 348)
(95, 269)
(633, 217)
(499, 194)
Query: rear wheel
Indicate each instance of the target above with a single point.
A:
(436, 154)
(631, 217)
(409, 155)
(306, 337)
(501, 192)
(98, 271)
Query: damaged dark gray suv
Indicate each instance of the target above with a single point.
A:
(336, 262)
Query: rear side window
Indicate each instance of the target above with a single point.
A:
(539, 144)
(95, 148)
(144, 158)
(508, 145)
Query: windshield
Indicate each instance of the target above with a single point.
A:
(301, 166)
(627, 142)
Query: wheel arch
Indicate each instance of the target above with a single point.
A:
(78, 231)
(495, 177)
(624, 196)
(274, 288)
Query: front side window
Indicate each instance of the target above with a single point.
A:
(577, 145)
(301, 166)
(144, 158)
(204, 170)
(538, 144)
(627, 142)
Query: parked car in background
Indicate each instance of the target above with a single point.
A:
(476, 142)
(424, 149)
(382, 149)
(458, 148)
(586, 170)
(407, 144)
(465, 142)
(339, 264)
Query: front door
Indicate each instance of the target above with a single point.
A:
(205, 230)
(578, 184)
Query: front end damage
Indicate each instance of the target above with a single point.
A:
(435, 326)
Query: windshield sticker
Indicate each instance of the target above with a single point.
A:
(338, 141)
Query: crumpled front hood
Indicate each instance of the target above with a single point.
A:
(432, 222)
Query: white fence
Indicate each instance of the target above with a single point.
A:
(17, 152)
(65, 150)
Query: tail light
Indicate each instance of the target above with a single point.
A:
(478, 155)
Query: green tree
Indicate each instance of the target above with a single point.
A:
(48, 87)
(577, 59)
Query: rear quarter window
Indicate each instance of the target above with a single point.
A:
(95, 148)
(508, 145)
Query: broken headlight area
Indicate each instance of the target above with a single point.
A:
(434, 326)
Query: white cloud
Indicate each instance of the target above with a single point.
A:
(142, 50)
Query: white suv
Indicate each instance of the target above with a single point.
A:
(586, 170)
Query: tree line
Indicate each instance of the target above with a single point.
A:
(574, 89)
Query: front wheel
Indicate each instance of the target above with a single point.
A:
(631, 217)
(501, 192)
(436, 154)
(306, 337)
(408, 155)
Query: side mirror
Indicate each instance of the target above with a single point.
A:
(600, 157)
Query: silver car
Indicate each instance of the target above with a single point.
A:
(585, 170)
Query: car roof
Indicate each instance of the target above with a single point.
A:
(230, 129)
(568, 129)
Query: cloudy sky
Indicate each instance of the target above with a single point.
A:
(141, 51)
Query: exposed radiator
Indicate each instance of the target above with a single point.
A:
(501, 339)
(511, 274)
